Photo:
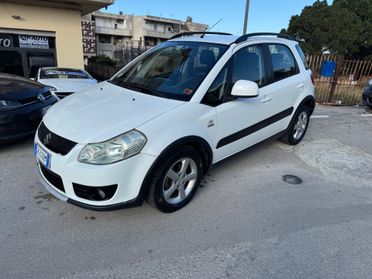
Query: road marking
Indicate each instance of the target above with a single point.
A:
(319, 116)
(366, 114)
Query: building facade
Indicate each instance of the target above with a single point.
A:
(41, 33)
(117, 31)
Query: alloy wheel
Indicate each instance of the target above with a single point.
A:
(180, 180)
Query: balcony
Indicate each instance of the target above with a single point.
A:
(112, 31)
(157, 34)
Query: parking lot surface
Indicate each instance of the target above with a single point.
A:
(245, 222)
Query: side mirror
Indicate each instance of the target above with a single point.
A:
(245, 89)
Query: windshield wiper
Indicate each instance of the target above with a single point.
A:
(136, 87)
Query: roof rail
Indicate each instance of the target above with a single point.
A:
(247, 36)
(184, 34)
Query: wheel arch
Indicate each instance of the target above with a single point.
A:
(200, 144)
(308, 101)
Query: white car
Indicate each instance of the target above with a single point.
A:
(153, 130)
(65, 81)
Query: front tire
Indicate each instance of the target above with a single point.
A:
(298, 126)
(175, 180)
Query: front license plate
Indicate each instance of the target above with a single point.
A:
(43, 156)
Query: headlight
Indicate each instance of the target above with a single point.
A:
(113, 150)
(370, 83)
(9, 105)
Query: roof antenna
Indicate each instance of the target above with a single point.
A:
(210, 28)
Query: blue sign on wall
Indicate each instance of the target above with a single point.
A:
(328, 68)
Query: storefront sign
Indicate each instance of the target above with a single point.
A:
(5, 41)
(28, 41)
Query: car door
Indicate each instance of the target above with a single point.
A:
(242, 122)
(285, 84)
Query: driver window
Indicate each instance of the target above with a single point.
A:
(219, 87)
(249, 65)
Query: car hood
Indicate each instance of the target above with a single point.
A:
(68, 85)
(17, 88)
(103, 112)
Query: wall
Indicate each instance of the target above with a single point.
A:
(65, 24)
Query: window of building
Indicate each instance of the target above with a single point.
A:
(37, 60)
(11, 62)
(104, 39)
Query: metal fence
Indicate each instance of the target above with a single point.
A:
(344, 87)
(347, 83)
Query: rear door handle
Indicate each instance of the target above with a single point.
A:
(266, 99)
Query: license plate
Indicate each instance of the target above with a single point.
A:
(43, 156)
(44, 110)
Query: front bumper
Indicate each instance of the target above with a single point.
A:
(24, 121)
(128, 175)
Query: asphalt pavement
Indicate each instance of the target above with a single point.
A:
(244, 222)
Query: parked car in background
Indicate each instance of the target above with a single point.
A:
(65, 81)
(367, 94)
(23, 103)
(154, 129)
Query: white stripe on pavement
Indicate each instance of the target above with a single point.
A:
(366, 114)
(320, 116)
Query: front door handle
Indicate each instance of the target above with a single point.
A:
(266, 99)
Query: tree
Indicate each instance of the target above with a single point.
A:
(344, 27)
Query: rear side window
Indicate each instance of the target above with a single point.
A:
(283, 61)
(303, 57)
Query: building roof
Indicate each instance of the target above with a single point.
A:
(85, 6)
(110, 15)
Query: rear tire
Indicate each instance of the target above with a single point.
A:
(297, 127)
(175, 180)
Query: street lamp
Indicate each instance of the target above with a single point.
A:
(246, 17)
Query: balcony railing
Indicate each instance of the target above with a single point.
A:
(158, 34)
(113, 31)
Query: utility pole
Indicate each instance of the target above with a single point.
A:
(246, 17)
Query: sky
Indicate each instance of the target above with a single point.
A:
(264, 15)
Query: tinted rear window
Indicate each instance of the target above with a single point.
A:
(63, 73)
(303, 57)
(284, 64)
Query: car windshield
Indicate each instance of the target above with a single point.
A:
(172, 70)
(63, 73)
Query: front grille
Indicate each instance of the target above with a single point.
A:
(54, 142)
(35, 99)
(52, 178)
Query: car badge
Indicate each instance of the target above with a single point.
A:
(47, 138)
(41, 97)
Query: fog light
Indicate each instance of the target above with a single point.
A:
(101, 194)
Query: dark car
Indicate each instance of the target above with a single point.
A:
(23, 103)
(367, 94)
